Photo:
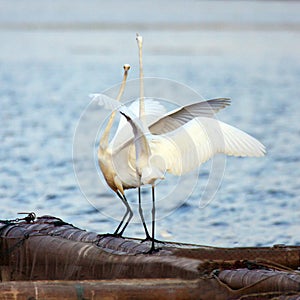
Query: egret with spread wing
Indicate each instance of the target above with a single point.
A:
(182, 149)
(114, 156)
(116, 159)
(170, 122)
(176, 143)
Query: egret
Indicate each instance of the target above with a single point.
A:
(105, 161)
(116, 153)
(107, 154)
(113, 157)
(124, 168)
(182, 149)
(139, 40)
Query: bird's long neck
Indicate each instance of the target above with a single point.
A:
(142, 147)
(105, 137)
(142, 96)
(148, 168)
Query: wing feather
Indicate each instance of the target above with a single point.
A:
(178, 117)
(187, 147)
(153, 109)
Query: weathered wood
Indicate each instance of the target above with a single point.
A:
(288, 256)
(167, 289)
(50, 249)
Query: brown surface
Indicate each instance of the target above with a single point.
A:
(118, 268)
(117, 289)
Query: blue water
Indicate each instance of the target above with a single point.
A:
(46, 75)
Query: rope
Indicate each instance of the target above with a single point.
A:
(28, 219)
(259, 264)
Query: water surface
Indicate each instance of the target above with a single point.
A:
(50, 62)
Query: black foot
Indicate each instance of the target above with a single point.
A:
(153, 250)
(117, 235)
(149, 238)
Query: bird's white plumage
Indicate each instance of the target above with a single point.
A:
(105, 101)
(190, 142)
(182, 115)
(123, 133)
(156, 120)
(190, 145)
(177, 142)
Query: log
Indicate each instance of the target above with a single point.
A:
(55, 259)
(127, 290)
(104, 289)
(288, 256)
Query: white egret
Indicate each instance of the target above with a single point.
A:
(124, 168)
(107, 159)
(183, 149)
(116, 160)
(118, 170)
(117, 152)
(139, 40)
(105, 162)
(163, 127)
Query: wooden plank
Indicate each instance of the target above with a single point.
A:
(167, 289)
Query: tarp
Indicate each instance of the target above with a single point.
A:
(49, 257)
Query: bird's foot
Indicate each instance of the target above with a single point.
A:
(153, 250)
(117, 235)
(149, 238)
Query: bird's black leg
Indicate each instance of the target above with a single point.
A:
(152, 249)
(142, 216)
(128, 211)
(151, 238)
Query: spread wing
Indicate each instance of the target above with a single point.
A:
(153, 109)
(192, 144)
(178, 117)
